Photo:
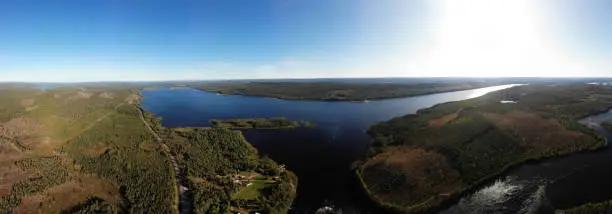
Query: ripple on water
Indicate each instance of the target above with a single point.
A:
(490, 199)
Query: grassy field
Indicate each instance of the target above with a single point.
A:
(419, 161)
(333, 91)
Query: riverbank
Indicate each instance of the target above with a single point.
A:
(335, 91)
(459, 153)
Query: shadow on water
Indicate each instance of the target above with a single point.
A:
(549, 185)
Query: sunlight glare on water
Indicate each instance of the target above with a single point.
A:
(482, 91)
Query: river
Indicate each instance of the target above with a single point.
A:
(553, 184)
(321, 157)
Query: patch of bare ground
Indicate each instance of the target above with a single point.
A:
(409, 176)
(107, 95)
(28, 102)
(57, 96)
(437, 122)
(9, 152)
(9, 175)
(27, 133)
(536, 132)
(64, 196)
(81, 95)
(132, 98)
(31, 108)
(22, 127)
(97, 150)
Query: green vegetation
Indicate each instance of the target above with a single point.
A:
(607, 126)
(226, 173)
(84, 149)
(261, 123)
(419, 161)
(93, 205)
(600, 208)
(333, 91)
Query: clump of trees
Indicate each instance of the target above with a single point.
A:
(49, 171)
(93, 205)
(213, 155)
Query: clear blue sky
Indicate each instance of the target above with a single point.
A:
(86, 40)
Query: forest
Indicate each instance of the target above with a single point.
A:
(218, 163)
(334, 91)
(85, 148)
(261, 123)
(419, 161)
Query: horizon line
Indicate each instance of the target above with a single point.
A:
(308, 78)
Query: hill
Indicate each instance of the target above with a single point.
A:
(419, 161)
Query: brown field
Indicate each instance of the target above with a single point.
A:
(437, 122)
(81, 95)
(107, 95)
(132, 99)
(28, 102)
(69, 194)
(96, 150)
(410, 175)
(534, 131)
(9, 175)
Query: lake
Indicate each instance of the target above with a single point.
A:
(321, 157)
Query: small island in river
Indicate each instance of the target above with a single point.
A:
(418, 162)
(260, 123)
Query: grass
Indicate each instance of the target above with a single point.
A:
(252, 191)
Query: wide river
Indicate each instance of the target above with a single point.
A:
(321, 157)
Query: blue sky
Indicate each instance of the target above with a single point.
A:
(87, 40)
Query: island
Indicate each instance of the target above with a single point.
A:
(261, 123)
(607, 126)
(90, 148)
(336, 91)
(418, 162)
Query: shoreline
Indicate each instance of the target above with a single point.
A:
(440, 204)
(349, 100)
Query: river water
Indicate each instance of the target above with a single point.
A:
(321, 157)
(543, 187)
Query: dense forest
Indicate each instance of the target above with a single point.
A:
(334, 91)
(220, 164)
(418, 161)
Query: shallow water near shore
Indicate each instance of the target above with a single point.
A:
(321, 157)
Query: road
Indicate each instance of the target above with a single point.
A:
(178, 179)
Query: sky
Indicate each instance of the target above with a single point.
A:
(154, 40)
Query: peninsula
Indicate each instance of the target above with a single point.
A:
(335, 91)
(419, 161)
